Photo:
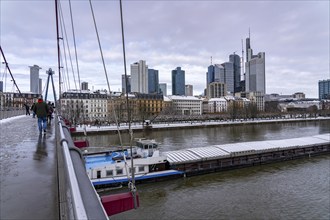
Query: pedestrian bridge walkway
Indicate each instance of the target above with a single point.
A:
(28, 168)
(39, 178)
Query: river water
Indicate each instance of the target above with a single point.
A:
(297, 189)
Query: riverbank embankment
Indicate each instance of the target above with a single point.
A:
(84, 129)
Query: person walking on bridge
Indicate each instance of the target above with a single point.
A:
(41, 110)
(33, 111)
(27, 108)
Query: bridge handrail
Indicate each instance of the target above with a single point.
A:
(77, 180)
(11, 112)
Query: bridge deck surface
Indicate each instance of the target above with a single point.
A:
(28, 170)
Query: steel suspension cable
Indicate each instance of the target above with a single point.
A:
(105, 69)
(58, 59)
(133, 189)
(106, 75)
(62, 24)
(64, 73)
(68, 46)
(4, 72)
(5, 75)
(75, 46)
(7, 66)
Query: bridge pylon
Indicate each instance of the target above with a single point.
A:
(50, 73)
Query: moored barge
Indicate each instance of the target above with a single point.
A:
(108, 169)
(215, 158)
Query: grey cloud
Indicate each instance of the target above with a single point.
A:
(293, 34)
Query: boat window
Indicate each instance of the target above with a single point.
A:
(109, 173)
(119, 171)
(141, 169)
(130, 170)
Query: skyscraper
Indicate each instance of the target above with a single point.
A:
(34, 79)
(40, 86)
(219, 73)
(210, 74)
(255, 70)
(236, 60)
(216, 90)
(139, 77)
(153, 81)
(324, 89)
(123, 83)
(224, 73)
(189, 90)
(163, 88)
(178, 81)
(229, 76)
(84, 86)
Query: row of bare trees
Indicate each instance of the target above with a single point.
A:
(140, 113)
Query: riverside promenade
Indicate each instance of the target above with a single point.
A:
(28, 170)
(84, 129)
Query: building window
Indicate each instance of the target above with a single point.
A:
(109, 173)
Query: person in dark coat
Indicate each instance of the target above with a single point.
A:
(27, 109)
(32, 109)
(50, 112)
(41, 110)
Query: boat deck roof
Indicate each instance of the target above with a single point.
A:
(226, 150)
(93, 161)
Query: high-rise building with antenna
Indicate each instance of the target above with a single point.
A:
(255, 80)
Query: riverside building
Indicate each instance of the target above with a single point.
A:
(186, 105)
(84, 106)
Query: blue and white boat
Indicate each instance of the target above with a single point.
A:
(114, 168)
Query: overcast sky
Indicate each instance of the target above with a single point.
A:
(167, 34)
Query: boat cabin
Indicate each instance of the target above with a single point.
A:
(112, 167)
(145, 148)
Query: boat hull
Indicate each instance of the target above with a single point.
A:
(149, 177)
